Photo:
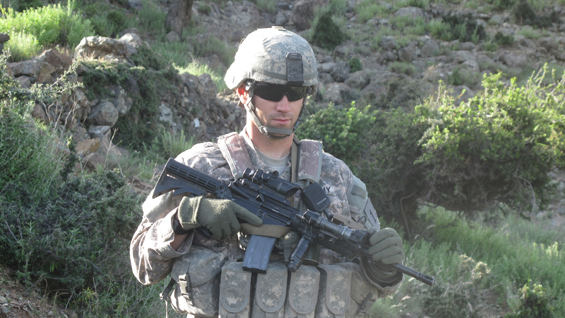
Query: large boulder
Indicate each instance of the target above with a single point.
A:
(28, 68)
(303, 12)
(59, 61)
(104, 114)
(99, 47)
(429, 48)
(358, 80)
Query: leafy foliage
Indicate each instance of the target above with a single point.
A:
(355, 64)
(534, 303)
(58, 231)
(463, 28)
(340, 130)
(496, 148)
(525, 14)
(50, 25)
(326, 33)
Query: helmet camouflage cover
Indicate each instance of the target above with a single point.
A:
(263, 57)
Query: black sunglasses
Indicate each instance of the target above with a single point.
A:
(275, 93)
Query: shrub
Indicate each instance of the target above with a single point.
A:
(502, 39)
(496, 148)
(50, 25)
(534, 303)
(22, 46)
(355, 65)
(339, 129)
(205, 9)
(326, 33)
(490, 46)
(402, 68)
(463, 28)
(524, 14)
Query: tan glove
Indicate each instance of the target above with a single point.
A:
(220, 216)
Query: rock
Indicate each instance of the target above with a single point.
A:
(461, 96)
(497, 19)
(303, 12)
(390, 56)
(337, 93)
(24, 81)
(429, 49)
(98, 47)
(513, 59)
(179, 15)
(281, 19)
(467, 46)
(4, 37)
(172, 37)
(326, 67)
(462, 56)
(94, 160)
(108, 148)
(342, 51)
(28, 68)
(358, 80)
(79, 104)
(129, 30)
(325, 78)
(327, 59)
(99, 131)
(388, 43)
(207, 89)
(87, 147)
(4, 312)
(412, 12)
(372, 91)
(408, 53)
(45, 74)
(165, 114)
(135, 4)
(120, 100)
(103, 114)
(59, 61)
(40, 114)
(340, 72)
(481, 22)
(132, 42)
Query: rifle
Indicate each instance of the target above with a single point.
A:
(264, 194)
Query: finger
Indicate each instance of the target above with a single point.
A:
(245, 215)
(389, 256)
(389, 242)
(382, 235)
(217, 233)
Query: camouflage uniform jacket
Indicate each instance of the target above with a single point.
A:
(152, 256)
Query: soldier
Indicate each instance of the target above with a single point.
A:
(273, 73)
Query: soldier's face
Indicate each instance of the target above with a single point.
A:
(281, 114)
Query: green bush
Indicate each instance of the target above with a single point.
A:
(204, 8)
(502, 39)
(326, 33)
(402, 68)
(496, 148)
(524, 14)
(535, 303)
(460, 27)
(355, 65)
(340, 130)
(50, 25)
(59, 232)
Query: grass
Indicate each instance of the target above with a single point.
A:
(402, 68)
(50, 25)
(494, 254)
(198, 68)
(532, 33)
(22, 46)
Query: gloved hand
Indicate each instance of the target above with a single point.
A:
(386, 246)
(218, 215)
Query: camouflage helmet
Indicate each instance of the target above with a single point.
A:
(264, 56)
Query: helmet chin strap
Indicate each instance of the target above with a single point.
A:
(268, 130)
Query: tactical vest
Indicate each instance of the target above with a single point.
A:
(210, 286)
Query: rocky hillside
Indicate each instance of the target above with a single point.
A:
(392, 54)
